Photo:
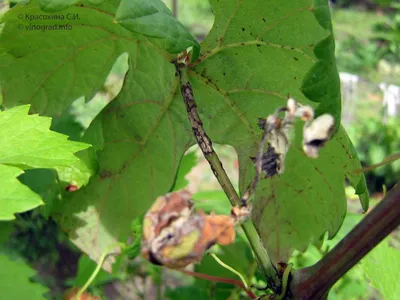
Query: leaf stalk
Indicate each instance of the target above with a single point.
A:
(217, 168)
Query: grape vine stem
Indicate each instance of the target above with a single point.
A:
(217, 168)
(315, 281)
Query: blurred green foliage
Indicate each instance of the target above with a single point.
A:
(375, 140)
(368, 41)
(382, 267)
(15, 280)
(357, 57)
(388, 35)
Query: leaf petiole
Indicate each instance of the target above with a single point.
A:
(92, 277)
(230, 269)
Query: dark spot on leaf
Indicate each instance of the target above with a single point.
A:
(105, 174)
(224, 73)
(317, 143)
(312, 9)
(242, 44)
(243, 29)
(270, 162)
(258, 45)
(294, 77)
(261, 123)
(263, 20)
(295, 58)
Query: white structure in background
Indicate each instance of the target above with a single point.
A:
(348, 83)
(391, 99)
(351, 83)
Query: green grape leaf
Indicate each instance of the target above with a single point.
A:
(43, 182)
(153, 18)
(65, 63)
(27, 142)
(254, 57)
(81, 171)
(15, 280)
(382, 268)
(237, 255)
(186, 165)
(55, 5)
(6, 229)
(85, 34)
(14, 196)
(237, 81)
(212, 201)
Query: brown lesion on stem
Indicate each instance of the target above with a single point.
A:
(202, 138)
(200, 134)
(211, 156)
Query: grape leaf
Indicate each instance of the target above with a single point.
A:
(256, 54)
(15, 280)
(382, 267)
(14, 196)
(61, 70)
(153, 18)
(28, 143)
(253, 58)
(63, 65)
(186, 164)
(6, 229)
(237, 255)
(43, 182)
(212, 201)
(55, 5)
